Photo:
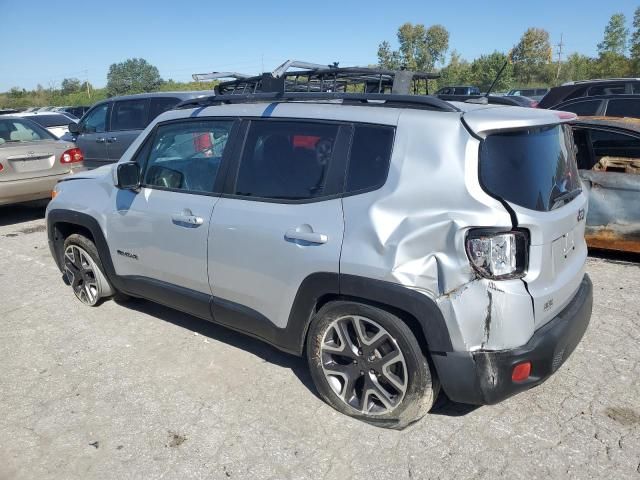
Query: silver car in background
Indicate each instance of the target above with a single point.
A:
(32, 160)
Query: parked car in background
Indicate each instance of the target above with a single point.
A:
(608, 155)
(590, 88)
(302, 219)
(523, 101)
(32, 160)
(603, 106)
(459, 90)
(77, 112)
(534, 93)
(498, 100)
(56, 122)
(106, 131)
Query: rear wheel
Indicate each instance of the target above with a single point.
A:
(83, 270)
(367, 363)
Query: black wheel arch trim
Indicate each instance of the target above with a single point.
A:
(312, 292)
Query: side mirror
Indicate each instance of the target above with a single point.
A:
(74, 128)
(128, 176)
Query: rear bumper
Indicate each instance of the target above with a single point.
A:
(484, 377)
(26, 190)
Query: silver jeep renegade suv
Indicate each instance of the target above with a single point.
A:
(403, 244)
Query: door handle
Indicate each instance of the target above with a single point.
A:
(100, 140)
(310, 237)
(112, 139)
(187, 219)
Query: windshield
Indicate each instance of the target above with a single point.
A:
(534, 168)
(15, 130)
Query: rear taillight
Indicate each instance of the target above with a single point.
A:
(535, 104)
(73, 155)
(1, 167)
(498, 254)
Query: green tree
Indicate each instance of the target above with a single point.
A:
(70, 85)
(615, 36)
(577, 67)
(457, 71)
(634, 46)
(420, 48)
(530, 55)
(485, 68)
(611, 64)
(134, 75)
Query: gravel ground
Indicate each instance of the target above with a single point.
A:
(142, 391)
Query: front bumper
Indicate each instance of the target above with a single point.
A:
(484, 377)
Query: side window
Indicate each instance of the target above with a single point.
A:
(161, 105)
(286, 160)
(623, 108)
(612, 144)
(187, 155)
(588, 107)
(607, 89)
(96, 120)
(369, 157)
(129, 115)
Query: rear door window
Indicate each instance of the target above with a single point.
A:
(530, 168)
(624, 108)
(287, 160)
(161, 105)
(586, 107)
(369, 158)
(129, 115)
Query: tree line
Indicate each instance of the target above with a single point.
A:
(530, 63)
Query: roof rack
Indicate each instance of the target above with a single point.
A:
(301, 76)
(480, 99)
(423, 102)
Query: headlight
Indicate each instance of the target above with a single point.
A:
(498, 254)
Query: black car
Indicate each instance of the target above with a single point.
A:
(590, 88)
(459, 90)
(603, 106)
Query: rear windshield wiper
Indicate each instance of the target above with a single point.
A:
(565, 198)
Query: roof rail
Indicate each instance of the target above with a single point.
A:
(480, 99)
(301, 76)
(423, 102)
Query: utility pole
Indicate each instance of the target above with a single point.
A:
(559, 45)
(86, 82)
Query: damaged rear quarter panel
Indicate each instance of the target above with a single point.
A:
(412, 230)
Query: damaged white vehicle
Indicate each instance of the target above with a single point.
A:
(402, 243)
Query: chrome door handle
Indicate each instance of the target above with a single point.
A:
(112, 139)
(100, 140)
(310, 237)
(187, 219)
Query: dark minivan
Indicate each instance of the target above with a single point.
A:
(106, 131)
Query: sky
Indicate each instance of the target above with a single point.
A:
(45, 42)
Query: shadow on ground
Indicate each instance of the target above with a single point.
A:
(266, 352)
(15, 214)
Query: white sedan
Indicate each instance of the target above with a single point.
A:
(56, 123)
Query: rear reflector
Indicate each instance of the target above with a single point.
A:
(73, 155)
(521, 372)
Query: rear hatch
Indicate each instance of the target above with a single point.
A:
(29, 151)
(527, 160)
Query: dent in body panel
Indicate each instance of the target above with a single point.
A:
(412, 230)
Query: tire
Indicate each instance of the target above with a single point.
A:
(83, 271)
(378, 374)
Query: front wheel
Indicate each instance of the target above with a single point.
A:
(83, 270)
(366, 363)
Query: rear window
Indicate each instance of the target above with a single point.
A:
(624, 108)
(15, 130)
(51, 120)
(530, 168)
